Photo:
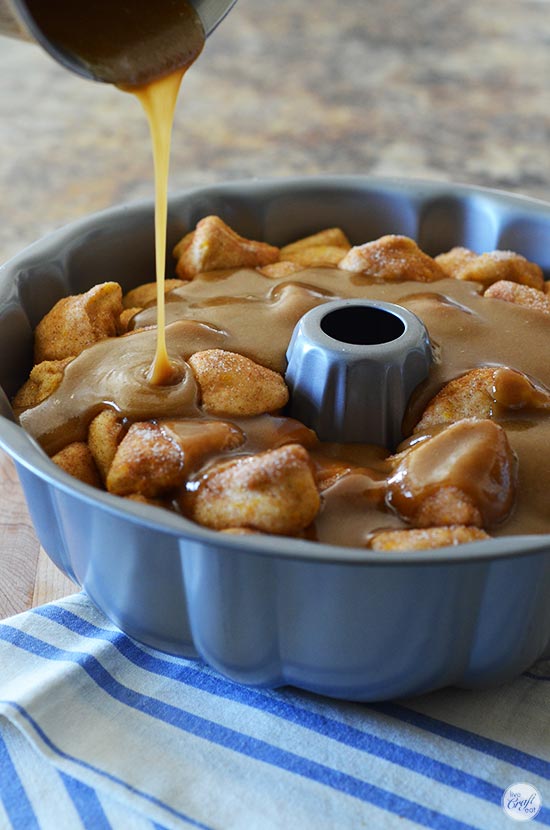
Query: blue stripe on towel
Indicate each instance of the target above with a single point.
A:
(238, 742)
(86, 803)
(336, 730)
(12, 794)
(503, 752)
(152, 799)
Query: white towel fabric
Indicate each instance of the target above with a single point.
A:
(98, 731)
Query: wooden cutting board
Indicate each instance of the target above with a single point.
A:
(27, 576)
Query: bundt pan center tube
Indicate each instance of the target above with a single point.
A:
(264, 610)
(352, 367)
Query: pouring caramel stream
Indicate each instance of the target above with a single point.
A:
(158, 99)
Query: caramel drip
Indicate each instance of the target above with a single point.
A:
(158, 99)
(114, 372)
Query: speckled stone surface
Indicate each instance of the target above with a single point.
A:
(456, 90)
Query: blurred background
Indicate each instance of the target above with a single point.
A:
(456, 90)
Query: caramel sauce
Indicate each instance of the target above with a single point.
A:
(128, 44)
(245, 312)
(158, 99)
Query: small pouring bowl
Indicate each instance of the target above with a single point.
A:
(155, 34)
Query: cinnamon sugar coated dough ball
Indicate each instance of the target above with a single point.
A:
(463, 264)
(148, 461)
(125, 319)
(231, 384)
(324, 249)
(79, 321)
(76, 459)
(425, 538)
(467, 396)
(522, 295)
(139, 499)
(332, 237)
(43, 380)
(329, 470)
(477, 394)
(281, 269)
(200, 439)
(392, 258)
(213, 245)
(154, 458)
(319, 256)
(146, 294)
(273, 492)
(445, 505)
(241, 531)
(464, 474)
(104, 435)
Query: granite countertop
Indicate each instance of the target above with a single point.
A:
(455, 91)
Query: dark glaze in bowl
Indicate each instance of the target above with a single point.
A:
(263, 610)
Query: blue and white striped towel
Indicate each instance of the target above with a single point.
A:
(97, 731)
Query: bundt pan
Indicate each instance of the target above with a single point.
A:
(269, 611)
